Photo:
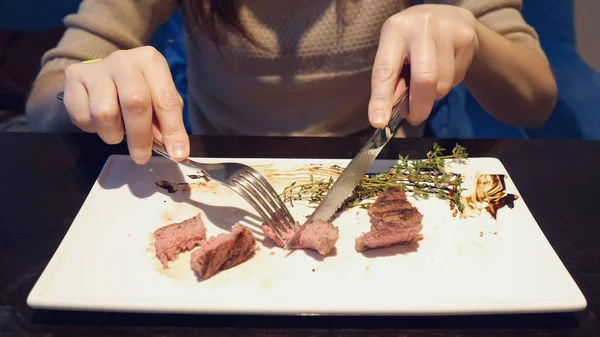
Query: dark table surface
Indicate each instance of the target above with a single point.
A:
(45, 179)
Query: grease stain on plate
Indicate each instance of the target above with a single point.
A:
(267, 283)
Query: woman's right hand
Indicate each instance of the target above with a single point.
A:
(129, 92)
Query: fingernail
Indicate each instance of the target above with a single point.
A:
(179, 150)
(140, 156)
(377, 116)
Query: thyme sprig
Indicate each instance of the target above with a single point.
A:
(422, 178)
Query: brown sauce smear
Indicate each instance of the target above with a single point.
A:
(174, 187)
(490, 189)
(169, 187)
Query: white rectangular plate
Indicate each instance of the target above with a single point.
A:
(477, 265)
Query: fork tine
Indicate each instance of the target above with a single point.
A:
(259, 195)
(239, 189)
(265, 189)
(274, 199)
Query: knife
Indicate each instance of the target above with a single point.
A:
(353, 173)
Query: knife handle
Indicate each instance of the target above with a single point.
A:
(400, 105)
(383, 135)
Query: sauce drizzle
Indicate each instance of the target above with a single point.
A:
(490, 192)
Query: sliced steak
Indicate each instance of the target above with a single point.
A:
(223, 251)
(318, 235)
(394, 220)
(173, 239)
(287, 236)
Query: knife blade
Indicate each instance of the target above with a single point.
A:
(356, 169)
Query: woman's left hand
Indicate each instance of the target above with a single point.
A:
(438, 41)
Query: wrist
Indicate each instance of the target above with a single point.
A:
(92, 61)
(482, 33)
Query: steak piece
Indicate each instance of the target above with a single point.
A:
(223, 251)
(393, 221)
(173, 239)
(318, 235)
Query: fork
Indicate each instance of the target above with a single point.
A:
(245, 181)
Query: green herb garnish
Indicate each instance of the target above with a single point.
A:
(422, 178)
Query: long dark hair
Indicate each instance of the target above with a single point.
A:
(210, 15)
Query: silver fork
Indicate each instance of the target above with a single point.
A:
(246, 182)
(249, 184)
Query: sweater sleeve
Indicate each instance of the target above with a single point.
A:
(502, 16)
(101, 27)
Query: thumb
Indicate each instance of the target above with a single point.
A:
(175, 138)
(167, 105)
(169, 129)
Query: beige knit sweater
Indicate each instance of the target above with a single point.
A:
(315, 80)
